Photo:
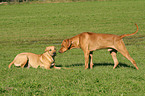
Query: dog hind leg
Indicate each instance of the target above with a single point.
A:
(20, 60)
(24, 63)
(113, 53)
(122, 49)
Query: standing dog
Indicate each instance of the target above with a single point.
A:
(45, 60)
(89, 42)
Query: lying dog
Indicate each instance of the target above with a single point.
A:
(45, 60)
(89, 42)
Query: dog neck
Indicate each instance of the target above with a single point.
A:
(48, 56)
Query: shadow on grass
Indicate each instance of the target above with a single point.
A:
(103, 64)
(39, 66)
(110, 64)
(95, 65)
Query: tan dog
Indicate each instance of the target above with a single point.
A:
(89, 42)
(45, 60)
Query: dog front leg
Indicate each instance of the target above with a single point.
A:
(47, 66)
(91, 62)
(55, 66)
(86, 53)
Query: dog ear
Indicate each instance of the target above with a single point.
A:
(46, 49)
(68, 42)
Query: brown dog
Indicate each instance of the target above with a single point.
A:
(89, 42)
(45, 60)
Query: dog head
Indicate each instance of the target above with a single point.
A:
(65, 45)
(51, 50)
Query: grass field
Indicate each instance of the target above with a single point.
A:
(32, 27)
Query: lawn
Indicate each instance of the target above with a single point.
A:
(32, 27)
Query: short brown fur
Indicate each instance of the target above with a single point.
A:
(89, 42)
(45, 60)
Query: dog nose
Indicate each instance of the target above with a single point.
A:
(59, 51)
(54, 53)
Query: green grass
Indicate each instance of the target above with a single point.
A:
(32, 27)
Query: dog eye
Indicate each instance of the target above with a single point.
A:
(50, 50)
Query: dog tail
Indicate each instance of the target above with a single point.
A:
(124, 35)
(11, 64)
